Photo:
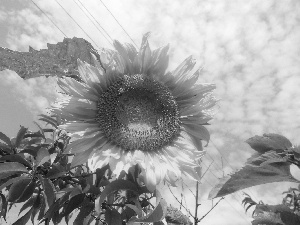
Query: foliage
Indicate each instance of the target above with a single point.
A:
(271, 163)
(35, 171)
(287, 213)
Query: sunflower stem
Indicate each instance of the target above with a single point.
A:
(197, 204)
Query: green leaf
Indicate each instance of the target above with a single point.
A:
(158, 213)
(13, 180)
(28, 192)
(4, 138)
(269, 142)
(112, 217)
(49, 191)
(16, 158)
(20, 136)
(74, 203)
(85, 210)
(40, 129)
(36, 206)
(49, 120)
(24, 219)
(42, 156)
(110, 188)
(252, 175)
(12, 167)
(56, 171)
(17, 188)
(4, 204)
(27, 204)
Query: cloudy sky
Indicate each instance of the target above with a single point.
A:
(249, 49)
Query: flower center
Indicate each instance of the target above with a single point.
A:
(138, 113)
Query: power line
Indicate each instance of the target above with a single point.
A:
(110, 42)
(119, 23)
(77, 24)
(49, 18)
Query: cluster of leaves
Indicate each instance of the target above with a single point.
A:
(271, 163)
(36, 171)
(286, 213)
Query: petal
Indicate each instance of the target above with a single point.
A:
(182, 71)
(198, 131)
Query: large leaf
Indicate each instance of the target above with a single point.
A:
(49, 191)
(28, 191)
(12, 167)
(112, 217)
(85, 210)
(265, 166)
(158, 213)
(4, 138)
(269, 142)
(274, 215)
(15, 158)
(24, 219)
(74, 203)
(12, 180)
(112, 187)
(17, 189)
(20, 136)
(252, 175)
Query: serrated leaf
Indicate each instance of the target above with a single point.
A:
(74, 203)
(110, 188)
(252, 175)
(15, 158)
(20, 136)
(158, 213)
(269, 142)
(4, 138)
(112, 217)
(24, 219)
(17, 189)
(49, 191)
(12, 167)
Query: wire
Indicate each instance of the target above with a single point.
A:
(77, 23)
(49, 18)
(110, 42)
(118, 23)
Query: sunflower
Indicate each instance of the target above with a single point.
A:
(128, 111)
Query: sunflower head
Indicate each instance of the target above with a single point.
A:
(128, 111)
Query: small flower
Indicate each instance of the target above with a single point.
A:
(127, 110)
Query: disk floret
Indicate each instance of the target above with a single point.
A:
(138, 113)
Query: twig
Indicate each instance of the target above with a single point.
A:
(180, 203)
(209, 211)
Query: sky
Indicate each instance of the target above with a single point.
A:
(249, 49)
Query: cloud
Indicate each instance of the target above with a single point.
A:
(36, 93)
(249, 49)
